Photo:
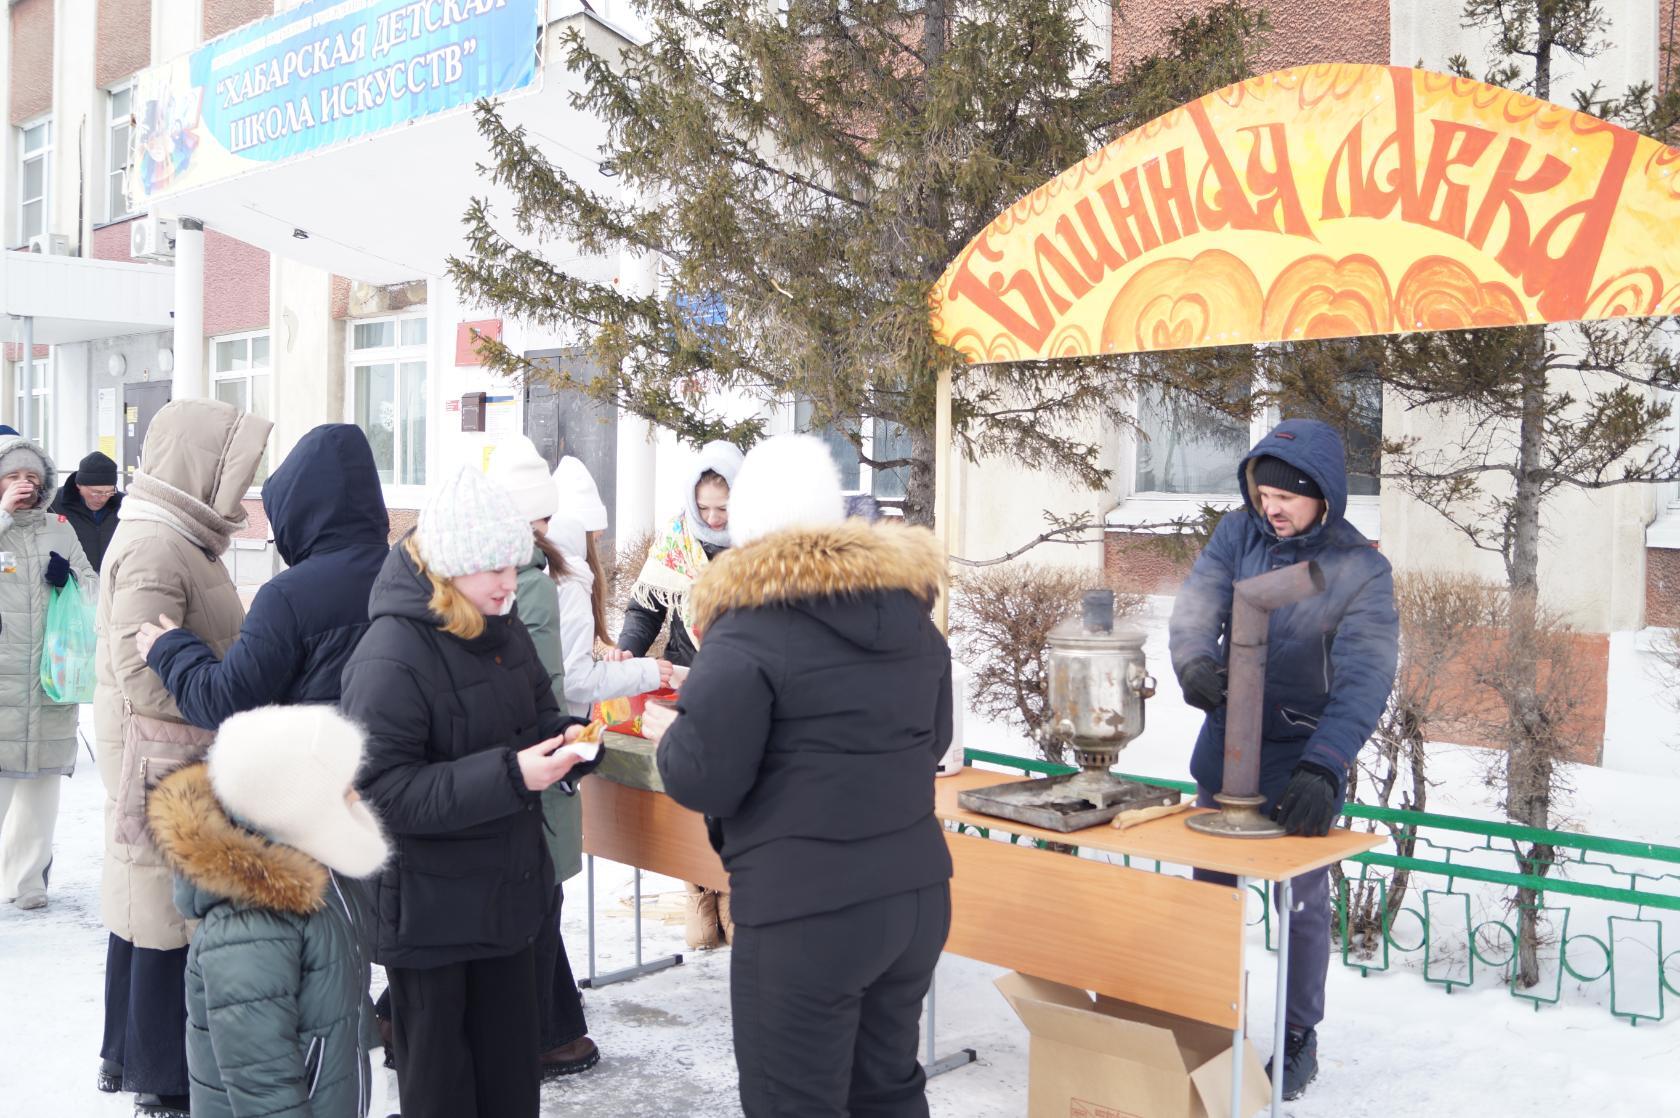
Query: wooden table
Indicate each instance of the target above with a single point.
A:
(1169, 943)
(1166, 942)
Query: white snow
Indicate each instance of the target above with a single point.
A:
(1392, 1045)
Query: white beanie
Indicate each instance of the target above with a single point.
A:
(283, 770)
(518, 468)
(787, 481)
(578, 496)
(469, 524)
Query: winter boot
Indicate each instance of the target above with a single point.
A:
(570, 1059)
(110, 1077)
(1300, 1062)
(162, 1106)
(700, 918)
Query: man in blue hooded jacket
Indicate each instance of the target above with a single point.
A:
(1329, 668)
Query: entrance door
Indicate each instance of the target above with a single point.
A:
(141, 401)
(567, 421)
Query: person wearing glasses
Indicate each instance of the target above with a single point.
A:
(90, 502)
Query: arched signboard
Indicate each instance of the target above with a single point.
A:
(1319, 202)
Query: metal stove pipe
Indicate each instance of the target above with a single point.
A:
(1252, 602)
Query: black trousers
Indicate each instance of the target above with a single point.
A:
(827, 1008)
(466, 1038)
(146, 1017)
(559, 1002)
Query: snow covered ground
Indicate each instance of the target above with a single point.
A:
(1392, 1045)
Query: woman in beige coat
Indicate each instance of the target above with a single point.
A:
(165, 560)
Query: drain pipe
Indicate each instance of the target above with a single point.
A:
(1253, 601)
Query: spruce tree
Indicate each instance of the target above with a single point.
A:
(804, 173)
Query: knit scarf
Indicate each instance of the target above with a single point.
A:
(674, 561)
(161, 503)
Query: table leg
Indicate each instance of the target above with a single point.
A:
(1237, 1033)
(589, 863)
(1286, 903)
(939, 1065)
(596, 981)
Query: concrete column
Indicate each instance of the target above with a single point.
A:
(637, 456)
(26, 374)
(189, 377)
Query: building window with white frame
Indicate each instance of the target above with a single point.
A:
(119, 104)
(34, 178)
(39, 423)
(387, 397)
(240, 375)
(882, 441)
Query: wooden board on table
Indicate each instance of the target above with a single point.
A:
(1168, 840)
(649, 829)
(1165, 942)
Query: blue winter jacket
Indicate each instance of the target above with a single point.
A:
(327, 513)
(1331, 659)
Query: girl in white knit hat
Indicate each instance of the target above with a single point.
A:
(555, 605)
(464, 735)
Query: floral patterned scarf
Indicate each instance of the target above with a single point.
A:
(674, 562)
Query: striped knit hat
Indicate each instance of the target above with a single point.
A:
(470, 524)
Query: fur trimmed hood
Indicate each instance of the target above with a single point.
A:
(833, 561)
(221, 858)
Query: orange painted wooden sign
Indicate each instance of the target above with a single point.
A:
(1322, 202)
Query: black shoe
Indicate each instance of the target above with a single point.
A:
(162, 1106)
(1300, 1062)
(110, 1077)
(570, 1059)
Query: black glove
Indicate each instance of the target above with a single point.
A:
(1203, 681)
(1308, 805)
(58, 570)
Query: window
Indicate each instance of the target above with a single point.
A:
(119, 102)
(239, 375)
(882, 441)
(1186, 447)
(388, 394)
(34, 179)
(40, 403)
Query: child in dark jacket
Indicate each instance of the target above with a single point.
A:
(464, 734)
(275, 982)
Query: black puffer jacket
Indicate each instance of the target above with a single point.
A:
(444, 717)
(93, 530)
(817, 708)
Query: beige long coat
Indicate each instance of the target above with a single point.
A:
(211, 451)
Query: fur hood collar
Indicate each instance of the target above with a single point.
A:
(831, 561)
(222, 858)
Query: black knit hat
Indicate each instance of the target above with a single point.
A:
(1279, 474)
(96, 469)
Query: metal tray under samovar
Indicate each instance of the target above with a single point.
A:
(1097, 687)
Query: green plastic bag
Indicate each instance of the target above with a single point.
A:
(67, 673)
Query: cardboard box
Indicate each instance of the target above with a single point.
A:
(1103, 1058)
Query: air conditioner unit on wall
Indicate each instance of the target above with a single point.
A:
(50, 244)
(151, 238)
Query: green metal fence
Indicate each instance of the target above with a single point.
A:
(1627, 952)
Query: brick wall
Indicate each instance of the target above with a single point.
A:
(222, 16)
(32, 59)
(1302, 31)
(235, 285)
(1477, 711)
(124, 43)
(110, 242)
(1137, 563)
(1662, 587)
